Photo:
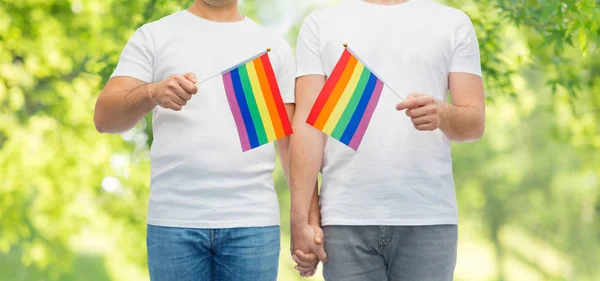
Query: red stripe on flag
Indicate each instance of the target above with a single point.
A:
(285, 121)
(328, 88)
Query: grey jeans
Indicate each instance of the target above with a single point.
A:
(390, 253)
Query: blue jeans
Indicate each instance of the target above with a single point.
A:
(192, 254)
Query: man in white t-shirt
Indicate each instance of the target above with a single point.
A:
(213, 212)
(388, 209)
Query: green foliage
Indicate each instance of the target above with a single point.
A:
(72, 200)
(559, 22)
(535, 173)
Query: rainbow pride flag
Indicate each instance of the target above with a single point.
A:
(255, 102)
(346, 103)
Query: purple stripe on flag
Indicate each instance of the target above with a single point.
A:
(364, 122)
(235, 110)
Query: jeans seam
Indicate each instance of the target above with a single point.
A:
(384, 238)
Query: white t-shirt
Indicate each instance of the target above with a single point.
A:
(200, 176)
(398, 176)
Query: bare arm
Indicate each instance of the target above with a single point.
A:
(463, 120)
(306, 150)
(306, 155)
(314, 215)
(121, 104)
(283, 145)
(125, 100)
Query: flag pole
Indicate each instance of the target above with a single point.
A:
(235, 66)
(378, 77)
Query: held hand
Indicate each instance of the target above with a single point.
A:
(307, 248)
(306, 264)
(174, 92)
(423, 110)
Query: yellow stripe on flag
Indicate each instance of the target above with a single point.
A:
(337, 112)
(260, 102)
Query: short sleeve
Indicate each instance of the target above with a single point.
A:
(308, 53)
(286, 78)
(466, 56)
(137, 57)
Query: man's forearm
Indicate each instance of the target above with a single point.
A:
(117, 113)
(461, 123)
(304, 169)
(314, 215)
(283, 149)
(306, 150)
(283, 146)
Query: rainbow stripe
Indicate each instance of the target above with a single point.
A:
(346, 104)
(255, 102)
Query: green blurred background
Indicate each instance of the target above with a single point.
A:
(73, 202)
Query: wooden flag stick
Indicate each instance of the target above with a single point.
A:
(235, 66)
(378, 77)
